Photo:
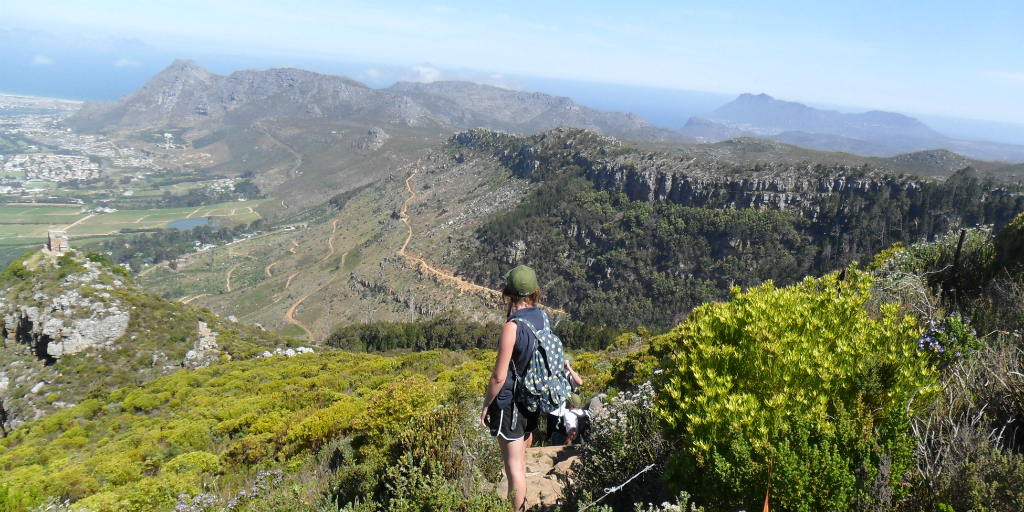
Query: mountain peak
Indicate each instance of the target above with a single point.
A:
(748, 97)
(184, 63)
(185, 66)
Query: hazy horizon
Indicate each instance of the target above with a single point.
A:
(669, 108)
(951, 66)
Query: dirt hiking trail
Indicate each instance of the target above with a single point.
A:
(441, 274)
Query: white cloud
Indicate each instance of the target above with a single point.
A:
(121, 63)
(372, 73)
(1006, 76)
(424, 73)
(41, 60)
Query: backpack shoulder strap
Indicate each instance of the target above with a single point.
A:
(529, 349)
(523, 321)
(547, 321)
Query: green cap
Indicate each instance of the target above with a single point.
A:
(575, 400)
(521, 281)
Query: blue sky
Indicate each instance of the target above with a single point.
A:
(959, 59)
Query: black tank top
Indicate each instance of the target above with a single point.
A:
(521, 353)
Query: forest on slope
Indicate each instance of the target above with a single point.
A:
(612, 249)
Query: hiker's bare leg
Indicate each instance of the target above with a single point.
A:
(514, 453)
(529, 441)
(570, 437)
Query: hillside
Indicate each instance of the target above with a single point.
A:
(307, 137)
(470, 105)
(712, 253)
(303, 137)
(603, 221)
(749, 151)
(75, 327)
(400, 431)
(631, 237)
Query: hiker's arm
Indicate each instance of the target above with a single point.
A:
(505, 345)
(575, 376)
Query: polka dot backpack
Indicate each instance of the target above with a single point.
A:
(544, 386)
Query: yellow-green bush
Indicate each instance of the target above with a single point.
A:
(325, 424)
(193, 461)
(800, 378)
(140, 447)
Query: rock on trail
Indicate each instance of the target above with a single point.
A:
(544, 466)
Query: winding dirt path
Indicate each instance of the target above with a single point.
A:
(194, 298)
(418, 262)
(267, 270)
(289, 281)
(441, 274)
(150, 269)
(229, 275)
(330, 241)
(290, 314)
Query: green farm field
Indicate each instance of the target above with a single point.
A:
(33, 222)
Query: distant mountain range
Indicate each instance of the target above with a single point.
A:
(186, 95)
(874, 133)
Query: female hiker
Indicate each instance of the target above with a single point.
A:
(508, 421)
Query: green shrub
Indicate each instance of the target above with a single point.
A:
(202, 462)
(419, 485)
(16, 271)
(950, 339)
(119, 470)
(799, 377)
(1009, 245)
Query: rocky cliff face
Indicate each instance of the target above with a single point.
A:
(799, 188)
(45, 320)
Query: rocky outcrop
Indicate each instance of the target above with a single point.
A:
(82, 315)
(205, 351)
(546, 468)
(287, 352)
(374, 140)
